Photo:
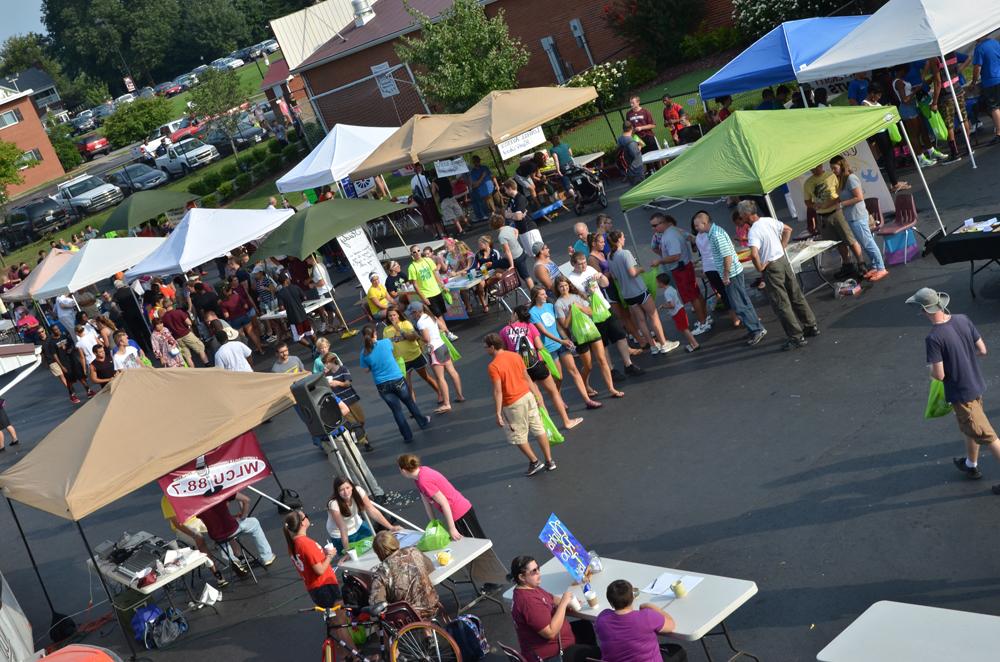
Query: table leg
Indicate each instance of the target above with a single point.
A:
(972, 278)
(723, 631)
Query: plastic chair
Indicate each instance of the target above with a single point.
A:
(510, 283)
(905, 220)
(512, 654)
(874, 208)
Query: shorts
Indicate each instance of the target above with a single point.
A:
(585, 347)
(4, 419)
(357, 413)
(301, 330)
(680, 319)
(55, 369)
(949, 107)
(415, 364)
(326, 596)
(833, 226)
(241, 321)
(686, 283)
(991, 96)
(973, 423)
(522, 418)
(451, 210)
(557, 352)
(521, 265)
(611, 331)
(539, 372)
(907, 111)
(441, 355)
(192, 342)
(437, 305)
(637, 300)
(529, 238)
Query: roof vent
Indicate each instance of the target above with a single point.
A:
(363, 12)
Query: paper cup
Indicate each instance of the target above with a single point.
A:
(574, 604)
(353, 554)
(330, 548)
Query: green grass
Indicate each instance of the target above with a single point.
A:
(250, 79)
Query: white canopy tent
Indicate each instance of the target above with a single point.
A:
(904, 31)
(336, 157)
(204, 234)
(97, 260)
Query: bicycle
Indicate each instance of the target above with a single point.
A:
(401, 632)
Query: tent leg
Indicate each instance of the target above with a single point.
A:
(923, 180)
(802, 91)
(104, 583)
(770, 205)
(958, 113)
(631, 235)
(402, 242)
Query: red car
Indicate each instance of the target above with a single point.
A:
(168, 89)
(92, 145)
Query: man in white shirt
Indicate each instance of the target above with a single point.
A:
(66, 312)
(232, 354)
(324, 288)
(768, 238)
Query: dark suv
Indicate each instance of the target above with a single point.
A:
(32, 221)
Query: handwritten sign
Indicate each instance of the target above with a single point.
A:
(451, 167)
(565, 547)
(361, 256)
(383, 78)
(521, 143)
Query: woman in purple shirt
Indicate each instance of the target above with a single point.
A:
(632, 635)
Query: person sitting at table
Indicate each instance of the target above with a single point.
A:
(377, 298)
(487, 258)
(546, 270)
(191, 532)
(346, 510)
(222, 527)
(394, 282)
(543, 631)
(630, 635)
(403, 576)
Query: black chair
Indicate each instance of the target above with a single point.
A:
(233, 560)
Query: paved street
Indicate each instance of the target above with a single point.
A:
(810, 472)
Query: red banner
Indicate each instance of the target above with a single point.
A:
(215, 476)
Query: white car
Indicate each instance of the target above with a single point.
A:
(269, 46)
(234, 63)
(186, 156)
(128, 97)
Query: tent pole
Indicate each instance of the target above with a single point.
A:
(31, 556)
(802, 91)
(923, 180)
(402, 242)
(631, 235)
(335, 306)
(104, 583)
(770, 205)
(958, 112)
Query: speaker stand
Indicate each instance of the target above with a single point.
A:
(342, 452)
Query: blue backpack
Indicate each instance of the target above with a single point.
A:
(468, 632)
(143, 621)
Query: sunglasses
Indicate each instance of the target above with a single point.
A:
(532, 571)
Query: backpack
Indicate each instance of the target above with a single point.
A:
(528, 352)
(468, 632)
(621, 160)
(143, 621)
(168, 629)
(290, 498)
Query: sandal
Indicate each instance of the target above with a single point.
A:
(591, 393)
(617, 394)
(462, 399)
(593, 404)
(442, 410)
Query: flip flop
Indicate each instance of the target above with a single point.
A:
(459, 399)
(617, 394)
(442, 410)
(594, 405)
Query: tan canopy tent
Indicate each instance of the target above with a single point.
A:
(404, 146)
(504, 114)
(110, 446)
(40, 275)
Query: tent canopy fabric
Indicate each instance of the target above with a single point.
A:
(777, 56)
(317, 224)
(40, 275)
(108, 448)
(505, 114)
(144, 206)
(204, 234)
(403, 147)
(97, 260)
(755, 151)
(335, 157)
(904, 31)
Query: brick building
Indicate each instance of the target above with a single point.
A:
(19, 124)
(334, 45)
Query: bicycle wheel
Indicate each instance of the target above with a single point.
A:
(423, 642)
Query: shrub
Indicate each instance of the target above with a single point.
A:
(274, 146)
(64, 146)
(273, 162)
(707, 42)
(200, 188)
(314, 132)
(290, 153)
(225, 190)
(259, 172)
(229, 171)
(754, 18)
(259, 154)
(638, 73)
(292, 135)
(210, 201)
(212, 180)
(243, 182)
(656, 27)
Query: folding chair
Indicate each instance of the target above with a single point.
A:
(509, 283)
(905, 220)
(245, 557)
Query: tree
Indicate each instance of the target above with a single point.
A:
(463, 56)
(12, 163)
(134, 121)
(64, 146)
(655, 27)
(218, 95)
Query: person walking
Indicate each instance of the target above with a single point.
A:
(852, 200)
(768, 238)
(439, 354)
(952, 347)
(626, 271)
(377, 356)
(674, 251)
(6, 425)
(426, 280)
(986, 73)
(731, 271)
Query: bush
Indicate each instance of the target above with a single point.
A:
(210, 201)
(132, 122)
(259, 172)
(243, 182)
(212, 181)
(290, 153)
(638, 73)
(656, 27)
(314, 132)
(200, 188)
(707, 42)
(225, 190)
(259, 154)
(275, 147)
(64, 146)
(292, 135)
(755, 18)
(229, 171)
(273, 162)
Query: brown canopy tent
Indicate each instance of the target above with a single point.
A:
(42, 272)
(504, 114)
(404, 146)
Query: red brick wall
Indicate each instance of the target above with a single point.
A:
(29, 134)
(718, 13)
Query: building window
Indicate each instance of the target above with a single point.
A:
(28, 157)
(10, 118)
(46, 97)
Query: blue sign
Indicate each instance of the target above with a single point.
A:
(565, 547)
(348, 187)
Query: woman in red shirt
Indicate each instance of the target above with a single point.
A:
(239, 313)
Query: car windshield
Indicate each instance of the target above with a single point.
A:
(88, 184)
(188, 145)
(244, 127)
(135, 170)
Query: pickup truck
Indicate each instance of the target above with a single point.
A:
(185, 156)
(87, 194)
(31, 221)
(92, 145)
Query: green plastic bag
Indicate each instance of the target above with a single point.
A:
(599, 309)
(937, 123)
(894, 134)
(402, 365)
(455, 356)
(446, 295)
(553, 433)
(937, 406)
(550, 363)
(435, 537)
(581, 328)
(362, 546)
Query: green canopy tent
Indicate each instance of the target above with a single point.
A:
(144, 206)
(754, 152)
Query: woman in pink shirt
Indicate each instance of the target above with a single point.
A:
(456, 511)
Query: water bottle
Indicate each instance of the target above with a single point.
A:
(595, 563)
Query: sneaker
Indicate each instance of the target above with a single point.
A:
(90, 393)
(633, 370)
(534, 468)
(811, 331)
(925, 162)
(877, 274)
(268, 562)
(757, 337)
(654, 349)
(550, 465)
(793, 343)
(75, 400)
(691, 348)
(972, 473)
(934, 152)
(669, 346)
(220, 580)
(700, 328)
(451, 336)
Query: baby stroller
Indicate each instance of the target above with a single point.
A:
(589, 188)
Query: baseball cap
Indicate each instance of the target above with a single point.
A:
(930, 300)
(537, 247)
(415, 307)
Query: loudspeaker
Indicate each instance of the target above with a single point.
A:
(317, 405)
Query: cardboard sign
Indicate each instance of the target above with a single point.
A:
(565, 547)
(521, 143)
(215, 476)
(862, 163)
(386, 83)
(361, 256)
(451, 167)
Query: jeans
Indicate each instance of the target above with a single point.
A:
(739, 301)
(479, 207)
(396, 394)
(251, 527)
(863, 234)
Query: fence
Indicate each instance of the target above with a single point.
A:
(362, 102)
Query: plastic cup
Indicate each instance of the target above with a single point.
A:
(574, 604)
(353, 554)
(330, 548)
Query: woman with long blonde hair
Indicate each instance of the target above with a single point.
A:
(852, 201)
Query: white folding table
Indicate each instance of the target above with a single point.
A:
(800, 252)
(309, 306)
(665, 154)
(915, 633)
(702, 613)
(190, 560)
(587, 159)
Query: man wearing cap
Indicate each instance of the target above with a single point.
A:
(952, 347)
(232, 354)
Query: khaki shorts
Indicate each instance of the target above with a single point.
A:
(834, 227)
(973, 423)
(55, 369)
(522, 417)
(192, 343)
(450, 210)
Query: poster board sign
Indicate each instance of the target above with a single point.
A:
(451, 167)
(565, 547)
(358, 187)
(361, 256)
(215, 476)
(386, 83)
(862, 163)
(522, 143)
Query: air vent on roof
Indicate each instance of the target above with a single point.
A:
(363, 12)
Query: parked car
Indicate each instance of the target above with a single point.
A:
(147, 93)
(102, 112)
(92, 145)
(168, 89)
(269, 46)
(137, 177)
(224, 63)
(87, 194)
(255, 52)
(200, 68)
(83, 122)
(186, 156)
(128, 97)
(31, 221)
(186, 82)
(246, 135)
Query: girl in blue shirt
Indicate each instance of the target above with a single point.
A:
(543, 315)
(378, 358)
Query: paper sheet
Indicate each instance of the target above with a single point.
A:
(661, 585)
(408, 538)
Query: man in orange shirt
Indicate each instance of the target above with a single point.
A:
(517, 411)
